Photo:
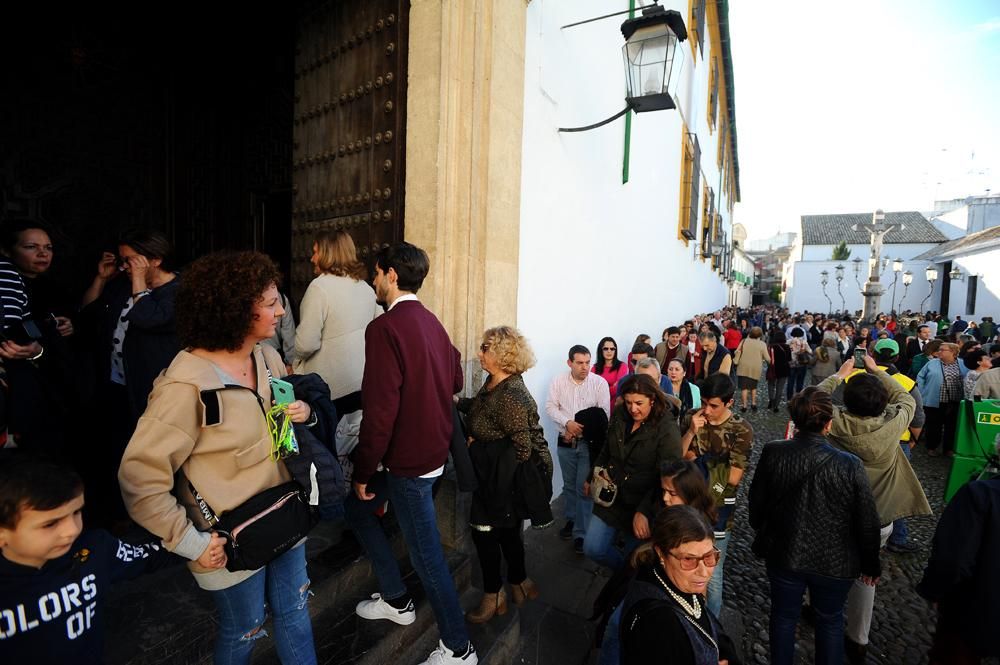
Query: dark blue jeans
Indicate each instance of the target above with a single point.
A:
(796, 377)
(827, 596)
(414, 506)
(900, 534)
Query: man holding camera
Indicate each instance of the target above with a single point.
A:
(877, 412)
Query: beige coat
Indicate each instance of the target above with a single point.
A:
(330, 339)
(750, 358)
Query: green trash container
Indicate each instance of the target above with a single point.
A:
(975, 442)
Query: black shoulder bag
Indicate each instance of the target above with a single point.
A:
(263, 527)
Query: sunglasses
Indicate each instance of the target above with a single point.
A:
(691, 562)
(609, 348)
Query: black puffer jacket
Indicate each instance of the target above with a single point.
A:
(811, 518)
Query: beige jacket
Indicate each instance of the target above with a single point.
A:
(750, 358)
(228, 462)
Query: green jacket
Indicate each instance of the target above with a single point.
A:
(875, 440)
(635, 465)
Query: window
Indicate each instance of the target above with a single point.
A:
(696, 26)
(713, 93)
(708, 216)
(723, 137)
(687, 222)
(970, 295)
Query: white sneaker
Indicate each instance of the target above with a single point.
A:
(445, 656)
(376, 608)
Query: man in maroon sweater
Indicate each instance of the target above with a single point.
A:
(411, 372)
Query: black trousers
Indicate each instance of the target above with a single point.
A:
(940, 426)
(494, 545)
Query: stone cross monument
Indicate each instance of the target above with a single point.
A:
(873, 288)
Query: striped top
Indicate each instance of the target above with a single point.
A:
(13, 296)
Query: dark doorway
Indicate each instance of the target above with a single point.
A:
(177, 119)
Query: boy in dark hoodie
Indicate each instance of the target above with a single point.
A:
(54, 577)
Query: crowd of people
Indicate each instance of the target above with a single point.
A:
(210, 396)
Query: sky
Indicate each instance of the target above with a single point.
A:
(855, 105)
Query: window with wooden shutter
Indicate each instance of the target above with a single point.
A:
(696, 26)
(707, 217)
(690, 184)
(713, 93)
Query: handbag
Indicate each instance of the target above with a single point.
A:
(263, 527)
(603, 490)
(772, 373)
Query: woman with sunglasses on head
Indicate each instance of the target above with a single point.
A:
(608, 366)
(816, 528)
(513, 467)
(664, 618)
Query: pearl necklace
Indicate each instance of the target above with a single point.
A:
(693, 608)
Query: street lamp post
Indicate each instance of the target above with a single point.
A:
(873, 289)
(907, 280)
(857, 271)
(931, 274)
(897, 266)
(839, 274)
(824, 281)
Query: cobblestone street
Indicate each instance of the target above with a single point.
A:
(902, 623)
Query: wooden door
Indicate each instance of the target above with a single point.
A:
(349, 126)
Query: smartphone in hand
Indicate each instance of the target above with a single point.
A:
(859, 358)
(282, 392)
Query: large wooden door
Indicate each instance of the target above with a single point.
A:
(349, 126)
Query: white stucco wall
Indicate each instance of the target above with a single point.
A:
(598, 257)
(987, 266)
(805, 292)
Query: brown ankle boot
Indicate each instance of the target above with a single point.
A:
(491, 604)
(526, 590)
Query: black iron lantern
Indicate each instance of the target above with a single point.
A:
(649, 50)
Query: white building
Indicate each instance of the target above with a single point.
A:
(616, 222)
(742, 272)
(968, 275)
(813, 250)
(959, 217)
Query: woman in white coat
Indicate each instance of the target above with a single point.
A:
(336, 308)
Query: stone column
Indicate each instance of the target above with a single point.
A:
(465, 105)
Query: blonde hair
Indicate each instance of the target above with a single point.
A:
(510, 348)
(336, 255)
(954, 348)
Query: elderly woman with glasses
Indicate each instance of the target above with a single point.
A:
(664, 610)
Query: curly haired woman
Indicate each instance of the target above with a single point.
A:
(513, 465)
(227, 304)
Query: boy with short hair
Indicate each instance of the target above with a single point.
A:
(719, 441)
(54, 577)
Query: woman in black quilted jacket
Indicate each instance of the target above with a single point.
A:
(817, 528)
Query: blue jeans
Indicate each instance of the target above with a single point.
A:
(714, 591)
(796, 377)
(575, 466)
(599, 544)
(414, 506)
(281, 588)
(900, 534)
(611, 644)
(827, 596)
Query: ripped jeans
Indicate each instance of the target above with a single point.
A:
(280, 589)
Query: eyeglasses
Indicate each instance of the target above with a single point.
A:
(484, 347)
(609, 348)
(691, 562)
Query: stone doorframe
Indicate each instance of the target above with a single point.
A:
(465, 106)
